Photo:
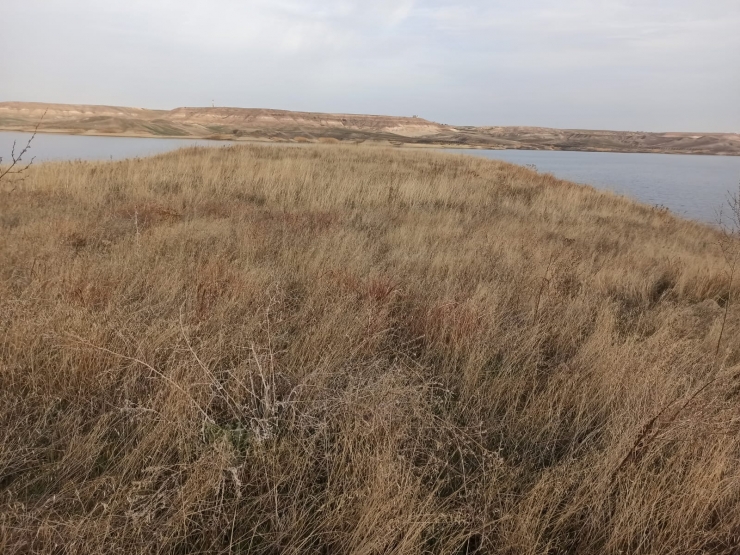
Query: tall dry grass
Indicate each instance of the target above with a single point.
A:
(353, 350)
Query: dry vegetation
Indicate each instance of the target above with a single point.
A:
(340, 350)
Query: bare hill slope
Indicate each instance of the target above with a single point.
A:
(283, 125)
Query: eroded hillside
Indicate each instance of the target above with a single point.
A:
(287, 126)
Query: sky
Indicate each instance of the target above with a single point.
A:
(641, 65)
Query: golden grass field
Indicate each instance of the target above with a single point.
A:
(355, 350)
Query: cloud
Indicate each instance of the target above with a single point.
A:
(667, 64)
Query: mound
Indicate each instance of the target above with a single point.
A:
(359, 350)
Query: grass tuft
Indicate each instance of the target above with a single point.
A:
(339, 350)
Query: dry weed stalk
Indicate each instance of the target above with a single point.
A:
(729, 244)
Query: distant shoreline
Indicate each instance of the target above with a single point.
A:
(345, 143)
(241, 125)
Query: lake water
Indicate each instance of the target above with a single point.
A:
(693, 186)
(48, 146)
(690, 185)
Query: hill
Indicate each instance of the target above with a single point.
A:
(341, 350)
(222, 123)
(281, 125)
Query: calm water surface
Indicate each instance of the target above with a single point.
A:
(76, 147)
(693, 186)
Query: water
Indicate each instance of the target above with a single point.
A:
(47, 146)
(692, 186)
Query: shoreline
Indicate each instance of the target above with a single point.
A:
(263, 125)
(368, 142)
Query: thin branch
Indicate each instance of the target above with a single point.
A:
(151, 368)
(16, 160)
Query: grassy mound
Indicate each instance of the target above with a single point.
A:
(356, 350)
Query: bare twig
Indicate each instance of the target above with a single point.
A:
(167, 379)
(16, 160)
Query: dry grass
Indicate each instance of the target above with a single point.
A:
(353, 350)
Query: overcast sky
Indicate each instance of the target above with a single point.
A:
(611, 64)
